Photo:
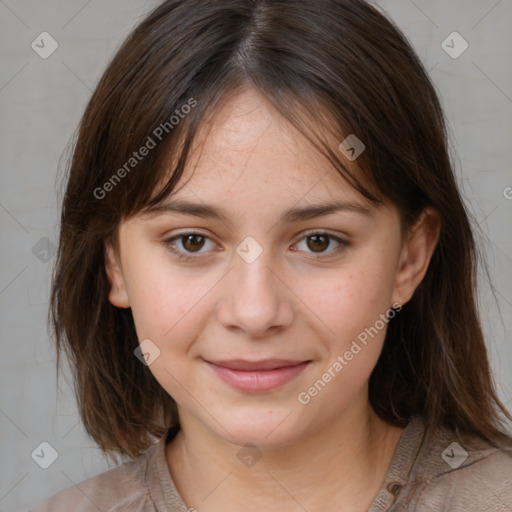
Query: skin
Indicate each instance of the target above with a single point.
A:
(293, 301)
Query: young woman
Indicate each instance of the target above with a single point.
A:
(266, 274)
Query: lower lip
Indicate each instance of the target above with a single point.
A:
(263, 380)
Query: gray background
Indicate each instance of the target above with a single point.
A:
(41, 101)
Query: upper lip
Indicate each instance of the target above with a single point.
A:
(264, 364)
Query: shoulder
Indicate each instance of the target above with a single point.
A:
(463, 473)
(122, 488)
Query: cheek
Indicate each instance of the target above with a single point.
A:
(172, 313)
(351, 303)
(167, 305)
(350, 300)
(352, 306)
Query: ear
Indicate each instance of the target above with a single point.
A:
(118, 295)
(415, 255)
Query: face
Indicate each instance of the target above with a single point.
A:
(257, 316)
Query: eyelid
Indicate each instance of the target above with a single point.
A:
(320, 231)
(340, 239)
(168, 241)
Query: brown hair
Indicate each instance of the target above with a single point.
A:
(336, 64)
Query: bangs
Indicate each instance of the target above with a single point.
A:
(309, 116)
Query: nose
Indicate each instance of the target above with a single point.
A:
(255, 298)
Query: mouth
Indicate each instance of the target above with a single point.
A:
(257, 376)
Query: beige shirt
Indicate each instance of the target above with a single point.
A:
(428, 473)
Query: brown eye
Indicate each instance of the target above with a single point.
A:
(321, 243)
(318, 242)
(187, 245)
(192, 242)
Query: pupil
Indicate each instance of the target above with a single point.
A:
(316, 244)
(193, 240)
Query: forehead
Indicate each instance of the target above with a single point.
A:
(249, 149)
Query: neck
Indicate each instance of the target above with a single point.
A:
(344, 462)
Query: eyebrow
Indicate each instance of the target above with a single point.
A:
(295, 214)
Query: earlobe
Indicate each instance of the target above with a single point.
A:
(416, 254)
(118, 295)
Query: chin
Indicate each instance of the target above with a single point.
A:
(263, 428)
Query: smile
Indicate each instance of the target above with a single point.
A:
(257, 376)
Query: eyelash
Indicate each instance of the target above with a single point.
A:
(170, 243)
